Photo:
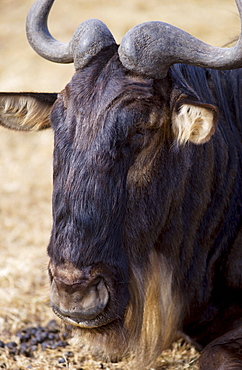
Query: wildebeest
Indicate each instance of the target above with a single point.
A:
(147, 206)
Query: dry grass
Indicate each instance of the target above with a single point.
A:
(26, 159)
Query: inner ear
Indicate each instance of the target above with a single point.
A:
(193, 122)
(26, 111)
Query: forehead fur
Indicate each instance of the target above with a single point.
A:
(105, 80)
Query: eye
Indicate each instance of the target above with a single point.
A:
(140, 132)
(138, 139)
(138, 136)
(143, 123)
(136, 131)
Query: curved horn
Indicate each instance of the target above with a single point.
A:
(152, 47)
(89, 38)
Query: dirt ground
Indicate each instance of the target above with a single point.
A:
(26, 161)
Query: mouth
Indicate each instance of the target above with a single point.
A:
(97, 322)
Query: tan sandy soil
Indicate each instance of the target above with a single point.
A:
(26, 159)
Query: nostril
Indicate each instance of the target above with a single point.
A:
(97, 296)
(80, 301)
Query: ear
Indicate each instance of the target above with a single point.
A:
(193, 121)
(26, 111)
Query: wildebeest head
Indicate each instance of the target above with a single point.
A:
(102, 121)
(109, 125)
(114, 125)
